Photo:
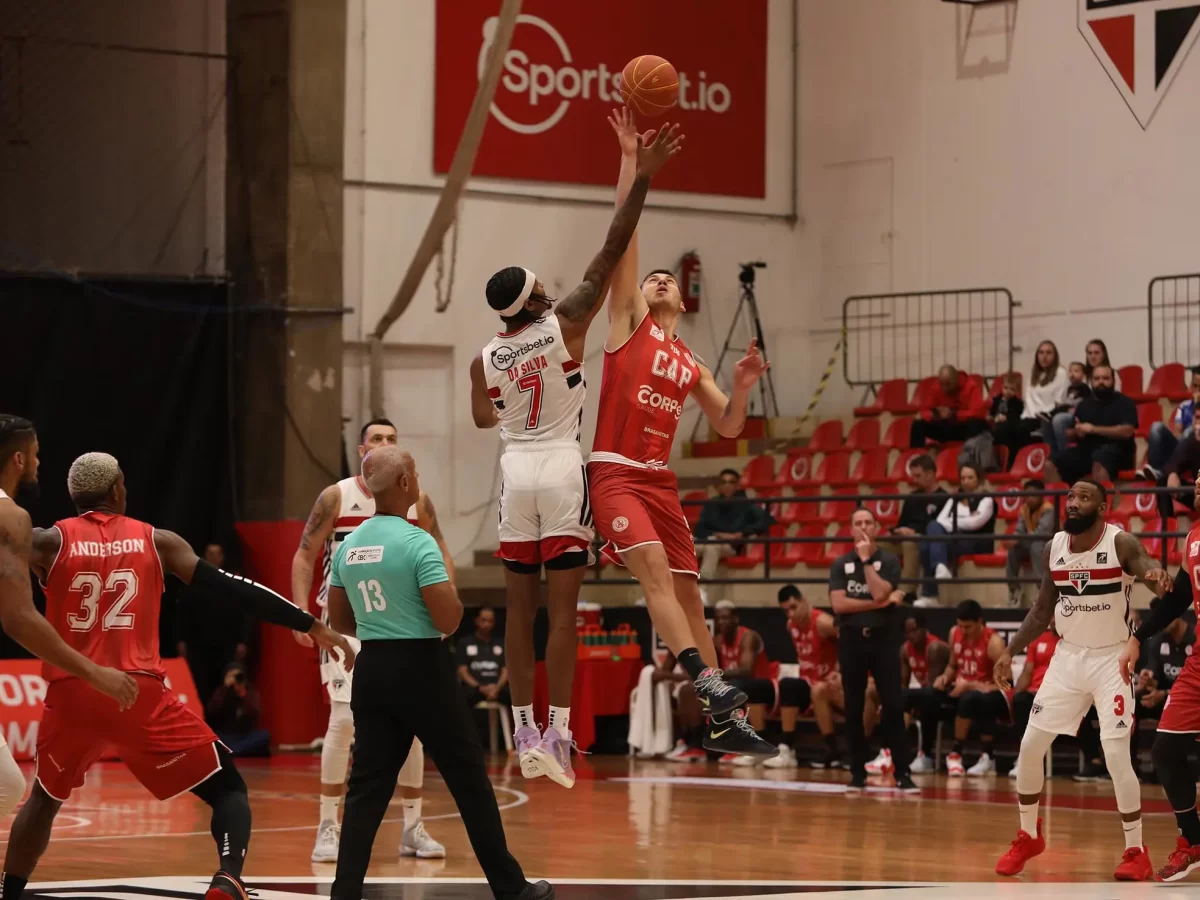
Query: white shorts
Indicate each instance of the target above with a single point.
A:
(1077, 678)
(338, 682)
(544, 508)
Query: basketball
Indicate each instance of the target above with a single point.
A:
(649, 85)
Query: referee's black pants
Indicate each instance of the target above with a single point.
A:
(404, 689)
(873, 651)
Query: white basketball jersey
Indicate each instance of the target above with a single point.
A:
(536, 386)
(1092, 609)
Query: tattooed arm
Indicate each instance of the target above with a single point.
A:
(427, 519)
(1137, 562)
(312, 543)
(1036, 621)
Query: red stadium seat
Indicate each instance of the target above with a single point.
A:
(1008, 509)
(840, 544)
(886, 511)
(947, 463)
(899, 434)
(1169, 382)
(837, 511)
(796, 469)
(1148, 415)
(826, 437)
(692, 512)
(923, 395)
(998, 385)
(891, 397)
(785, 556)
(753, 555)
(810, 553)
(899, 471)
(1153, 545)
(1145, 506)
(1030, 463)
(998, 558)
(792, 512)
(1120, 518)
(1130, 382)
(832, 469)
(870, 468)
(1116, 500)
(759, 472)
(863, 435)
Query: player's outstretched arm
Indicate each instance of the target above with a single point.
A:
(427, 519)
(483, 410)
(1174, 604)
(25, 625)
(728, 414)
(312, 543)
(1137, 562)
(1036, 621)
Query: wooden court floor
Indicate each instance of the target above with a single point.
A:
(652, 822)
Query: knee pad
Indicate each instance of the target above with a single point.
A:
(12, 782)
(572, 559)
(522, 568)
(1031, 762)
(412, 773)
(335, 752)
(1126, 787)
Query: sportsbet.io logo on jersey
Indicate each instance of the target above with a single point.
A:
(505, 357)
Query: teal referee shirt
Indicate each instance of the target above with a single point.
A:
(382, 566)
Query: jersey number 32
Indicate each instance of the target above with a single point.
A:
(122, 583)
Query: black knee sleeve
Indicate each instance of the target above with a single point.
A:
(795, 692)
(225, 791)
(572, 559)
(522, 568)
(1173, 769)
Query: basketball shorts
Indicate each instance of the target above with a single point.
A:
(338, 682)
(1076, 678)
(1181, 714)
(166, 746)
(634, 507)
(544, 510)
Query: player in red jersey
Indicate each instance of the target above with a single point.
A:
(1179, 726)
(648, 373)
(103, 575)
(743, 658)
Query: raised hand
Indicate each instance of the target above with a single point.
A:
(621, 120)
(749, 368)
(653, 156)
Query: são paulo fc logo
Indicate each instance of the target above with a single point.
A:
(1079, 580)
(620, 523)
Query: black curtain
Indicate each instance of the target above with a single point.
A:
(135, 368)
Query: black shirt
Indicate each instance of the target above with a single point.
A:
(847, 575)
(1166, 658)
(1186, 458)
(918, 512)
(483, 659)
(1117, 410)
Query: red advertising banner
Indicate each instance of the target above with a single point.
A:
(562, 76)
(23, 691)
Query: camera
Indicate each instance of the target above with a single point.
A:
(747, 274)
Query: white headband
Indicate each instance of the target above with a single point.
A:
(513, 308)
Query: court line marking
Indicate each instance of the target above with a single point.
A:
(378, 879)
(520, 798)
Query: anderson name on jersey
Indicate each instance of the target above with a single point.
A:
(1092, 609)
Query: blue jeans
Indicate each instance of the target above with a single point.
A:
(1162, 444)
(1056, 434)
(946, 553)
(252, 743)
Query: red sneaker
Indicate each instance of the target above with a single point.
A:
(1023, 849)
(1135, 866)
(1182, 862)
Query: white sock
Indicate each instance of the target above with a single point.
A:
(523, 716)
(412, 811)
(1133, 833)
(329, 808)
(560, 718)
(1028, 818)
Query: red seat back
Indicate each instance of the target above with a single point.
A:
(870, 466)
(692, 512)
(1145, 506)
(793, 511)
(1130, 380)
(899, 434)
(832, 467)
(893, 395)
(947, 463)
(1169, 382)
(840, 543)
(759, 472)
(1030, 461)
(796, 469)
(899, 470)
(811, 553)
(927, 389)
(837, 510)
(863, 435)
(1149, 414)
(1009, 508)
(826, 437)
(886, 511)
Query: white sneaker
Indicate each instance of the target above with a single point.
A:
(679, 751)
(416, 842)
(785, 760)
(942, 572)
(984, 766)
(882, 764)
(954, 766)
(922, 765)
(926, 602)
(1012, 773)
(326, 848)
(746, 760)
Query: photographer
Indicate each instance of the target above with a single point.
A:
(232, 712)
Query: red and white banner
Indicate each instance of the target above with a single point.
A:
(23, 691)
(562, 76)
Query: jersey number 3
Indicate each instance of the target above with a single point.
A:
(90, 587)
(532, 382)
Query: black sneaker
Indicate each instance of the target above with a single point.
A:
(227, 887)
(539, 890)
(905, 785)
(830, 760)
(734, 735)
(716, 695)
(858, 784)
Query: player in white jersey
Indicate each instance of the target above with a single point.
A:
(340, 509)
(529, 381)
(1089, 570)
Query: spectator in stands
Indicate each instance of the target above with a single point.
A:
(957, 412)
(1164, 438)
(1168, 651)
(729, 519)
(1063, 417)
(1095, 354)
(1046, 391)
(1037, 517)
(916, 513)
(1105, 424)
(210, 632)
(741, 654)
(1006, 417)
(233, 711)
(972, 517)
(481, 668)
(814, 635)
(1180, 470)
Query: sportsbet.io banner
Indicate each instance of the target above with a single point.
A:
(562, 76)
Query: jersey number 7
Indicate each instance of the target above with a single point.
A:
(532, 382)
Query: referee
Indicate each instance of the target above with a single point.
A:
(862, 589)
(390, 589)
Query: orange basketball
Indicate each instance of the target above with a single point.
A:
(649, 85)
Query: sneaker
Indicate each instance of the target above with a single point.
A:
(1182, 862)
(1135, 865)
(858, 784)
(983, 766)
(1148, 473)
(539, 890)
(922, 765)
(830, 760)
(785, 760)
(747, 760)
(415, 841)
(226, 887)
(882, 764)
(716, 695)
(1014, 597)
(1023, 849)
(526, 741)
(942, 572)
(905, 785)
(926, 602)
(553, 753)
(1091, 772)
(326, 847)
(689, 755)
(679, 751)
(727, 759)
(734, 735)
(954, 766)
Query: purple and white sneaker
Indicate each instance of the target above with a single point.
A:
(527, 739)
(554, 757)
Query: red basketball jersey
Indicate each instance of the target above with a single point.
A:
(918, 658)
(971, 657)
(103, 593)
(817, 655)
(730, 655)
(1192, 562)
(1038, 656)
(644, 385)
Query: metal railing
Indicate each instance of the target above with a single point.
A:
(1173, 311)
(911, 335)
(773, 575)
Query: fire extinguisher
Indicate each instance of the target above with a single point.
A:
(689, 281)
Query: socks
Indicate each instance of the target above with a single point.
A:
(14, 885)
(788, 739)
(691, 662)
(1028, 818)
(329, 808)
(1188, 822)
(523, 716)
(958, 747)
(560, 718)
(412, 811)
(1133, 833)
(831, 742)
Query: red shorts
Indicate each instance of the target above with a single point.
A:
(632, 507)
(1181, 713)
(166, 746)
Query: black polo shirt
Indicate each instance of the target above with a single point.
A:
(1117, 410)
(1167, 657)
(847, 575)
(483, 659)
